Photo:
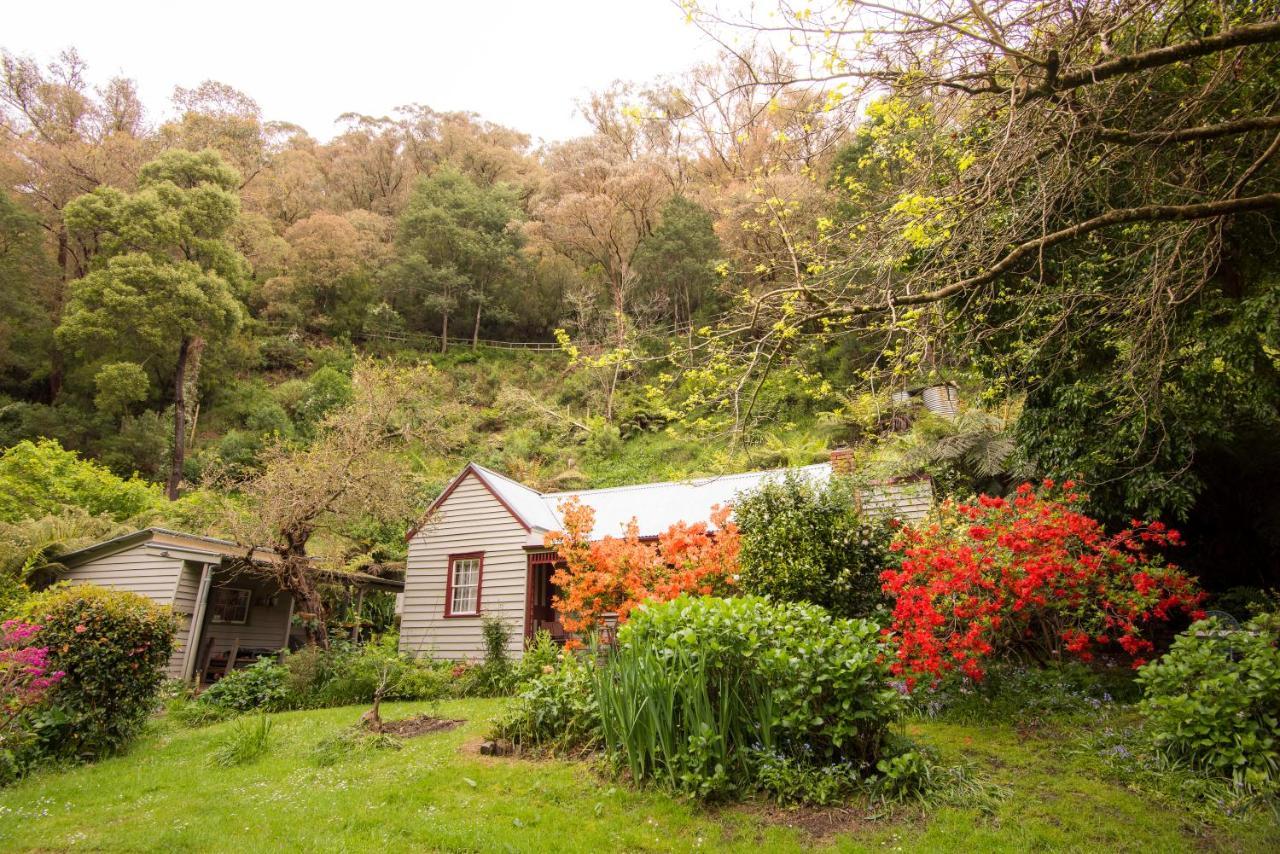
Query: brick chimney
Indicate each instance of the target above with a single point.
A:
(842, 460)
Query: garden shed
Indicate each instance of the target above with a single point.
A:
(231, 612)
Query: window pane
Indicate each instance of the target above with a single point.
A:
(465, 585)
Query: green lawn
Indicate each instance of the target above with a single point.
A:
(439, 794)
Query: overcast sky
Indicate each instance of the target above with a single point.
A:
(521, 64)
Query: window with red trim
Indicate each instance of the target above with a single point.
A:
(462, 598)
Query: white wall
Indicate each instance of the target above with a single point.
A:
(143, 571)
(469, 520)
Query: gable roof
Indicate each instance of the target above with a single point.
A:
(211, 549)
(658, 506)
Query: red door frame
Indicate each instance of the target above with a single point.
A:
(541, 557)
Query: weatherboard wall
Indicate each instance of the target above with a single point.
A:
(469, 520)
(144, 571)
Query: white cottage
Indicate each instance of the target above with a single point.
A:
(230, 612)
(480, 549)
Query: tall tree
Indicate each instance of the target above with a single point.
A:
(165, 280)
(458, 241)
(26, 277)
(676, 264)
(1037, 175)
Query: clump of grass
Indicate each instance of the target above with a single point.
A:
(247, 740)
(193, 714)
(349, 743)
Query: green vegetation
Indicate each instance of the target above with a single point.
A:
(246, 741)
(700, 688)
(1213, 702)
(437, 792)
(808, 542)
(112, 648)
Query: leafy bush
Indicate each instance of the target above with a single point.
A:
(347, 674)
(113, 648)
(495, 677)
(357, 672)
(25, 680)
(41, 478)
(1031, 577)
(698, 689)
(262, 685)
(1213, 701)
(557, 709)
(541, 654)
(806, 542)
(247, 740)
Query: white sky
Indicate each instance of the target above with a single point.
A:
(522, 64)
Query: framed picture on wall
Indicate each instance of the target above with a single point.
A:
(229, 605)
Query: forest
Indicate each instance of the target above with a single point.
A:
(741, 266)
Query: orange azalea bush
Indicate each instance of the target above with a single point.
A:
(613, 575)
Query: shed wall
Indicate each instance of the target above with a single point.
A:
(143, 571)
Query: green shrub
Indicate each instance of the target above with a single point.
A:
(541, 654)
(347, 674)
(557, 709)
(247, 740)
(41, 479)
(1213, 701)
(806, 542)
(699, 688)
(113, 648)
(494, 677)
(261, 686)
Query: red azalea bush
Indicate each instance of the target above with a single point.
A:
(1029, 575)
(613, 575)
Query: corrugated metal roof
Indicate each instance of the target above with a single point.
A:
(658, 506)
(529, 504)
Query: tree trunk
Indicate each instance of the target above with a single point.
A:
(179, 420)
(297, 579)
(475, 330)
(444, 332)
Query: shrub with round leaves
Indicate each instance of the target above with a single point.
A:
(1213, 701)
(701, 690)
(807, 542)
(112, 648)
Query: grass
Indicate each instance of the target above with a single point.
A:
(437, 793)
(247, 740)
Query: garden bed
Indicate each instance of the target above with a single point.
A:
(419, 725)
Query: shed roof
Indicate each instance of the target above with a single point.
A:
(196, 546)
(657, 506)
